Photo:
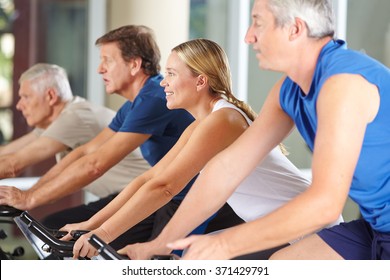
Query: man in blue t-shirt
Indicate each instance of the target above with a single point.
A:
(339, 100)
(130, 67)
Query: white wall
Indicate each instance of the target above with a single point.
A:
(168, 18)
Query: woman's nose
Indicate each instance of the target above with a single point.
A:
(163, 83)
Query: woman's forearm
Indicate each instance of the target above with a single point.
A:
(202, 201)
(119, 201)
(142, 204)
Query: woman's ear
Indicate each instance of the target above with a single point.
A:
(201, 81)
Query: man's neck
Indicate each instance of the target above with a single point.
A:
(135, 87)
(305, 64)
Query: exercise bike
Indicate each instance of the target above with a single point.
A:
(48, 245)
(46, 242)
(109, 253)
(7, 213)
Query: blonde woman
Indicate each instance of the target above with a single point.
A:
(197, 79)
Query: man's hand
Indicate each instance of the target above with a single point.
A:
(14, 197)
(144, 251)
(201, 247)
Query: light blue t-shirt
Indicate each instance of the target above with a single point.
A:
(370, 187)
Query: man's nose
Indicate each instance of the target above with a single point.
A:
(19, 105)
(100, 68)
(249, 36)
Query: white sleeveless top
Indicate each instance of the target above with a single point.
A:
(271, 184)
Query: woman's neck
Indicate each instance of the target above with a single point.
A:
(203, 109)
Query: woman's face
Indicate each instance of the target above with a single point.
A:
(179, 83)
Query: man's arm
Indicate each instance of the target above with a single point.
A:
(87, 168)
(76, 154)
(26, 151)
(19, 199)
(17, 144)
(78, 169)
(347, 103)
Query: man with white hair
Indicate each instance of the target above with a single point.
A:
(62, 122)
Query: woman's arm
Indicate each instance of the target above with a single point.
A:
(219, 179)
(210, 136)
(111, 208)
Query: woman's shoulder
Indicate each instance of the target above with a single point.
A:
(229, 111)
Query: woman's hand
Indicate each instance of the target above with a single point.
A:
(82, 247)
(69, 227)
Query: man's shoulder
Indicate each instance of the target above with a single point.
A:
(80, 103)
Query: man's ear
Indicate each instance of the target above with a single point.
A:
(52, 96)
(135, 65)
(297, 29)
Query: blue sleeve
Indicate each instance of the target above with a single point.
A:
(147, 115)
(120, 116)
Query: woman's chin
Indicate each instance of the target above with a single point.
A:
(171, 106)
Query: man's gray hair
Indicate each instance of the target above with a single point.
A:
(318, 15)
(44, 76)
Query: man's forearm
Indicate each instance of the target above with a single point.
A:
(7, 167)
(67, 182)
(68, 176)
(57, 169)
(116, 209)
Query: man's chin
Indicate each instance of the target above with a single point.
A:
(111, 92)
